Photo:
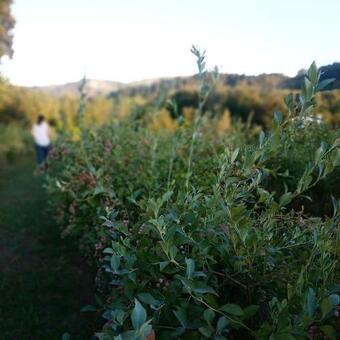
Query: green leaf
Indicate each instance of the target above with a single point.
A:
(163, 264)
(326, 306)
(98, 190)
(336, 143)
(329, 331)
(190, 267)
(181, 316)
(324, 83)
(261, 138)
(209, 316)
(66, 336)
(188, 285)
(166, 196)
(119, 316)
(222, 323)
(318, 153)
(232, 309)
(278, 117)
(173, 252)
(108, 251)
(249, 311)
(311, 303)
(308, 89)
(211, 301)
(115, 262)
(138, 315)
(289, 101)
(264, 331)
(205, 331)
(336, 287)
(88, 308)
(286, 198)
(132, 276)
(234, 155)
(144, 331)
(237, 213)
(312, 73)
(202, 288)
(148, 299)
(335, 299)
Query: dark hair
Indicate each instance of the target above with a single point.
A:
(40, 119)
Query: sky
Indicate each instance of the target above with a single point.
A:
(58, 41)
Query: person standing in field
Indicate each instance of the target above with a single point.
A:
(42, 138)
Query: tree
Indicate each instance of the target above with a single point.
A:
(7, 23)
(301, 72)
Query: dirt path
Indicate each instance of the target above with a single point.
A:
(43, 281)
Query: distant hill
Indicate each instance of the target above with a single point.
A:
(92, 88)
(264, 81)
(150, 86)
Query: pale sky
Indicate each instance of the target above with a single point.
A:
(57, 41)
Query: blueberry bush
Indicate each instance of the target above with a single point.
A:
(204, 236)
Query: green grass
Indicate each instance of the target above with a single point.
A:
(44, 283)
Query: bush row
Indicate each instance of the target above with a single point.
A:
(197, 236)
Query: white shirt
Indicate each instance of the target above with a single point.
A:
(41, 134)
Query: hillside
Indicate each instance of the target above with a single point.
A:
(93, 88)
(149, 86)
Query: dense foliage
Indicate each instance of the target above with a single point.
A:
(328, 72)
(14, 141)
(198, 235)
(255, 98)
(7, 23)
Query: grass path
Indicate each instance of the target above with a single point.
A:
(43, 281)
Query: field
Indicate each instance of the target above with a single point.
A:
(189, 232)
